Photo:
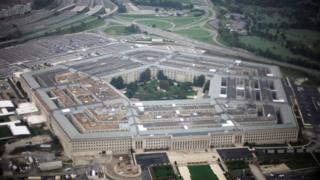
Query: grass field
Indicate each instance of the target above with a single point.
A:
(197, 33)
(162, 172)
(117, 30)
(162, 24)
(307, 37)
(5, 132)
(293, 161)
(263, 44)
(202, 172)
(303, 35)
(178, 21)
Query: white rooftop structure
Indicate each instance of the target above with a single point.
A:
(35, 120)
(19, 130)
(6, 104)
(141, 128)
(47, 166)
(16, 130)
(5, 112)
(26, 108)
(228, 124)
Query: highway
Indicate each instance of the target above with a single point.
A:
(212, 49)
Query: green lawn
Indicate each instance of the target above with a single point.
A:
(197, 33)
(178, 21)
(293, 161)
(202, 172)
(162, 24)
(308, 37)
(117, 30)
(5, 132)
(303, 35)
(182, 21)
(150, 91)
(162, 172)
(39, 131)
(263, 44)
(233, 165)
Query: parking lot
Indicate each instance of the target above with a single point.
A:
(309, 103)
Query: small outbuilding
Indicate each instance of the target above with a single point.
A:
(52, 165)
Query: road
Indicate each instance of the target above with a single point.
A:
(257, 172)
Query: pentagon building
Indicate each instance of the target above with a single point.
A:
(246, 103)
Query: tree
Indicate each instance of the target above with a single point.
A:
(199, 81)
(145, 76)
(133, 29)
(121, 8)
(161, 76)
(131, 89)
(117, 82)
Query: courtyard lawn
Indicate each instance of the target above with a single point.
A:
(197, 33)
(233, 165)
(162, 172)
(201, 172)
(150, 91)
(293, 161)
